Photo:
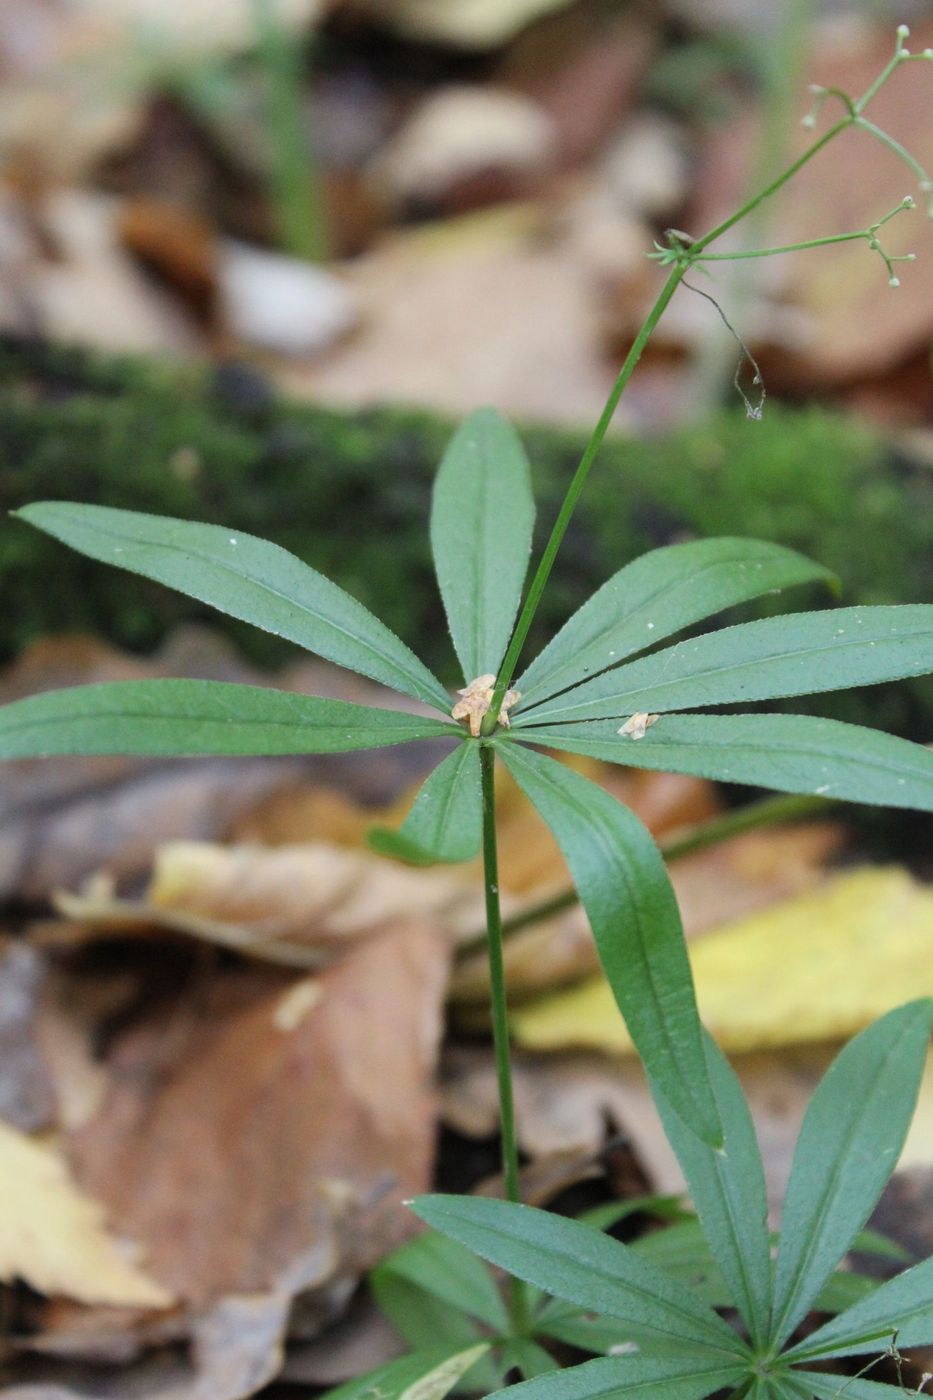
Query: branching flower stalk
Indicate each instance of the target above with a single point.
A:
(681, 256)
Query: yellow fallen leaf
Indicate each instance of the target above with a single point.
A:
(818, 967)
(54, 1238)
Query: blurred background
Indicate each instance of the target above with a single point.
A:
(256, 259)
(422, 206)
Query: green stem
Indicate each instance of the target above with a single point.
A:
(772, 188)
(295, 180)
(783, 248)
(500, 1016)
(546, 564)
(770, 811)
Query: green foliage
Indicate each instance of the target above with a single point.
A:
(791, 753)
(446, 821)
(349, 494)
(847, 1150)
(674, 1344)
(199, 717)
(655, 596)
(482, 517)
(630, 904)
(850, 1141)
(685, 1348)
(248, 579)
(728, 1190)
(427, 1375)
(779, 656)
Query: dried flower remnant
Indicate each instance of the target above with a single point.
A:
(637, 725)
(477, 697)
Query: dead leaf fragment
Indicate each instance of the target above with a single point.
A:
(53, 1236)
(248, 1158)
(637, 726)
(818, 967)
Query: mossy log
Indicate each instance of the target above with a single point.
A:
(349, 493)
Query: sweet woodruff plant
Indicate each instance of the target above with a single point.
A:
(614, 686)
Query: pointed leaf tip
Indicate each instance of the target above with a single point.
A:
(482, 517)
(247, 578)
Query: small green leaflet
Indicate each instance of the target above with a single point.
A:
(903, 1307)
(849, 1144)
(656, 596)
(247, 578)
(790, 753)
(626, 892)
(588, 1268)
(446, 821)
(796, 655)
(181, 717)
(428, 1375)
(679, 1376)
(482, 518)
(728, 1190)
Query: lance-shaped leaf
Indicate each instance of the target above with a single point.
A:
(849, 1144)
(427, 1375)
(805, 1385)
(481, 523)
(199, 717)
(446, 821)
(796, 655)
(790, 753)
(588, 1268)
(679, 1376)
(900, 1310)
(446, 1269)
(625, 890)
(728, 1190)
(247, 578)
(656, 596)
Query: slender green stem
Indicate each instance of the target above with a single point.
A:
(296, 186)
(894, 146)
(770, 811)
(692, 252)
(500, 1014)
(772, 188)
(543, 571)
(783, 248)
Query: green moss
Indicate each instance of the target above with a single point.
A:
(350, 494)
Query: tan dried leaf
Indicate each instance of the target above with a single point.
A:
(54, 1237)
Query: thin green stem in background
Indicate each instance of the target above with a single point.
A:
(689, 253)
(518, 1298)
(543, 571)
(770, 811)
(295, 180)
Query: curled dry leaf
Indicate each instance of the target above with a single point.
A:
(297, 905)
(54, 1237)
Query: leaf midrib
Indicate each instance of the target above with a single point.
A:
(246, 574)
(701, 676)
(829, 1194)
(649, 601)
